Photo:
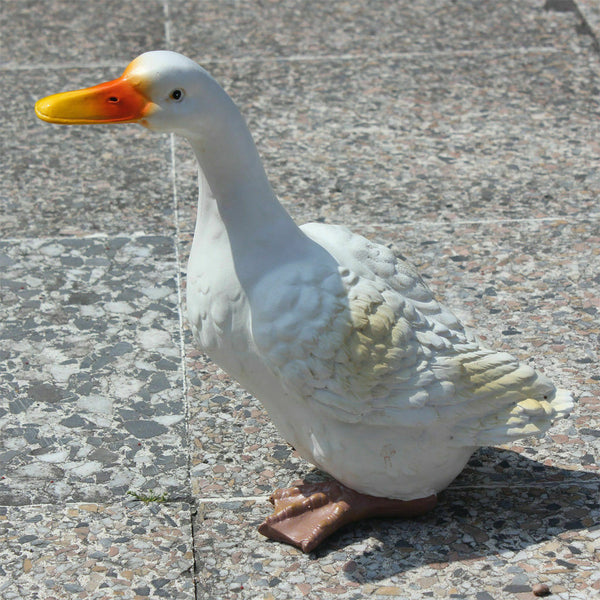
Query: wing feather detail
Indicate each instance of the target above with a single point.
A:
(369, 343)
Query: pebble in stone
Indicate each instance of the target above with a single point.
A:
(540, 589)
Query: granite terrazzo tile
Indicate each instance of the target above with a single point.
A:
(529, 286)
(525, 287)
(73, 180)
(527, 150)
(96, 551)
(486, 543)
(56, 32)
(525, 466)
(590, 11)
(236, 450)
(252, 29)
(434, 138)
(91, 391)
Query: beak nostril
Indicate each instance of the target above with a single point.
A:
(113, 99)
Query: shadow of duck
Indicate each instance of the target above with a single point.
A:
(502, 504)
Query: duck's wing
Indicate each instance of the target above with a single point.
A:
(367, 342)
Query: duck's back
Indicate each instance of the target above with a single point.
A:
(375, 347)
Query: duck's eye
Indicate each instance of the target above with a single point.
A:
(176, 95)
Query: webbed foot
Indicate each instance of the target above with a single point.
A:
(306, 515)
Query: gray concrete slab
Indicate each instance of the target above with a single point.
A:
(479, 543)
(95, 550)
(462, 133)
(91, 377)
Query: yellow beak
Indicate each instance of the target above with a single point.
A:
(117, 101)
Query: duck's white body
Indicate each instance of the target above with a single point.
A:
(359, 367)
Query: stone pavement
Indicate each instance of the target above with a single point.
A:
(466, 133)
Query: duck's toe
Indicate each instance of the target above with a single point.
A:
(306, 515)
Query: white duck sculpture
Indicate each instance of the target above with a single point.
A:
(360, 368)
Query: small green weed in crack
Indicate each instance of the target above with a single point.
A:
(149, 497)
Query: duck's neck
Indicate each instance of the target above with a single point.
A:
(235, 197)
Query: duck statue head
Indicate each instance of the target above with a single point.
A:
(160, 90)
(167, 92)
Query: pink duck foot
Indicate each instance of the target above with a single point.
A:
(306, 515)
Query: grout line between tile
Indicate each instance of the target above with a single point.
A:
(227, 499)
(167, 15)
(424, 223)
(386, 55)
(224, 500)
(509, 51)
(570, 218)
(182, 352)
(457, 488)
(179, 291)
(92, 236)
(62, 66)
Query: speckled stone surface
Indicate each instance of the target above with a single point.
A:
(406, 140)
(589, 11)
(526, 288)
(306, 29)
(91, 380)
(92, 550)
(463, 134)
(57, 32)
(495, 543)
